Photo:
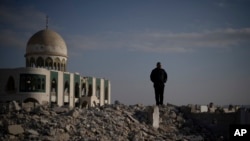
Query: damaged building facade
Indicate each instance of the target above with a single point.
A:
(45, 79)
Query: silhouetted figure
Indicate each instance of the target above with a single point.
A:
(159, 76)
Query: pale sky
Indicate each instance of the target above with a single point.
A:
(204, 45)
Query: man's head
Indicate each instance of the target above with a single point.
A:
(158, 65)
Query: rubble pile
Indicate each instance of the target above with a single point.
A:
(116, 122)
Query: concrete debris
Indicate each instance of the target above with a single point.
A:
(74, 113)
(116, 122)
(15, 129)
(16, 106)
(33, 132)
(156, 117)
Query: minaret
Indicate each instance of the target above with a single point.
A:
(47, 21)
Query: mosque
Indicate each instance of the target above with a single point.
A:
(45, 79)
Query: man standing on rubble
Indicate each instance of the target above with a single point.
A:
(159, 76)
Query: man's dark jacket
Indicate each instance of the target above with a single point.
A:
(158, 76)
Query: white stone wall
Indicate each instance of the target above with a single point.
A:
(72, 91)
(41, 97)
(45, 97)
(109, 93)
(60, 90)
(102, 89)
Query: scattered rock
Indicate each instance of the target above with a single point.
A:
(74, 113)
(16, 106)
(33, 132)
(60, 110)
(15, 129)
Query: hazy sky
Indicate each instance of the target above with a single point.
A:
(204, 45)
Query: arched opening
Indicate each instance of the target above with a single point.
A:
(83, 89)
(58, 66)
(106, 95)
(90, 90)
(40, 62)
(48, 63)
(98, 92)
(77, 90)
(62, 69)
(32, 62)
(10, 87)
(66, 88)
(53, 85)
(63, 65)
(22, 83)
(55, 67)
(56, 62)
(53, 91)
(33, 100)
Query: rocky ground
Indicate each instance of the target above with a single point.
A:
(116, 122)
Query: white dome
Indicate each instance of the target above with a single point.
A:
(46, 42)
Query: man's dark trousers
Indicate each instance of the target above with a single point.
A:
(159, 90)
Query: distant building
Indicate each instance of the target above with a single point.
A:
(243, 116)
(45, 78)
(203, 108)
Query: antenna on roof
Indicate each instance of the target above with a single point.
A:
(47, 21)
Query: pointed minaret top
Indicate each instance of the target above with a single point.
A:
(47, 21)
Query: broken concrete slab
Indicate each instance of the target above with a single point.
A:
(156, 117)
(15, 129)
(16, 106)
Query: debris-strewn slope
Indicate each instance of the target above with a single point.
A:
(115, 122)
